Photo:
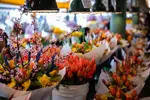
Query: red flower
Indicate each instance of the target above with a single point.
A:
(70, 75)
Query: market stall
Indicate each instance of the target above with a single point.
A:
(49, 54)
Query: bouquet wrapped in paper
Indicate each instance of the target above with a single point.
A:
(30, 74)
(122, 81)
(75, 83)
(113, 86)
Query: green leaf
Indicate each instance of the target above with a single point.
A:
(1, 59)
(111, 98)
(35, 85)
(39, 74)
(123, 97)
(55, 78)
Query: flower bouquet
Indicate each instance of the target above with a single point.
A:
(81, 48)
(121, 84)
(119, 88)
(57, 32)
(33, 40)
(88, 51)
(30, 73)
(75, 83)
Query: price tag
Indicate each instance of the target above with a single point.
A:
(86, 3)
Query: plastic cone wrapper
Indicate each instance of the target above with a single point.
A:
(108, 55)
(144, 75)
(123, 54)
(147, 98)
(124, 43)
(113, 66)
(38, 94)
(139, 82)
(107, 45)
(65, 50)
(102, 89)
(97, 53)
(113, 42)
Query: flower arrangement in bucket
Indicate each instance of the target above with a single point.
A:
(75, 83)
(27, 72)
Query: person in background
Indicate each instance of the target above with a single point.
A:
(86, 37)
(147, 23)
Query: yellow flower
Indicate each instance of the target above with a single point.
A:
(1, 69)
(44, 80)
(74, 49)
(76, 34)
(57, 30)
(24, 44)
(26, 85)
(12, 84)
(15, 45)
(53, 73)
(80, 54)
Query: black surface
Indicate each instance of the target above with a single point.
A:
(146, 90)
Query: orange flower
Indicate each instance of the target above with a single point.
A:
(23, 72)
(70, 75)
(80, 73)
(41, 62)
(31, 65)
(74, 67)
(88, 68)
(12, 64)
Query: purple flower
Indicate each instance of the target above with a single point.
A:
(18, 78)
(71, 24)
(91, 18)
(11, 76)
(35, 67)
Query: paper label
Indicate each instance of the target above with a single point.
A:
(86, 3)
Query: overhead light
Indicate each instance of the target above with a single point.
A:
(42, 6)
(76, 6)
(41, 11)
(98, 6)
